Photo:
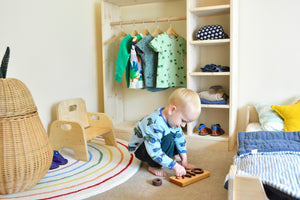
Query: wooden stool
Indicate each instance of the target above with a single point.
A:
(75, 126)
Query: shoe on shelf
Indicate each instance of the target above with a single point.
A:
(216, 130)
(54, 165)
(59, 159)
(203, 130)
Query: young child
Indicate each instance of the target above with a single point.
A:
(158, 137)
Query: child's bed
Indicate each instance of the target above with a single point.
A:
(267, 164)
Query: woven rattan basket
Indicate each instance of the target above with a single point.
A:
(26, 153)
(15, 98)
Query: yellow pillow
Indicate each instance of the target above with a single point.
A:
(290, 115)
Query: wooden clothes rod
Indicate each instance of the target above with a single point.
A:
(165, 19)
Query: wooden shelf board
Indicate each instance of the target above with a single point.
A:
(211, 10)
(215, 106)
(210, 42)
(209, 73)
(223, 138)
(134, 2)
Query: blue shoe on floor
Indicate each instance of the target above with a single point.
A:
(59, 159)
(54, 165)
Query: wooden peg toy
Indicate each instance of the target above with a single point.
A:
(190, 177)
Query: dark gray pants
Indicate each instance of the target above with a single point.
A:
(167, 146)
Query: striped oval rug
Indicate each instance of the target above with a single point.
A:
(107, 167)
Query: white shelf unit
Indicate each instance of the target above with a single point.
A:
(220, 52)
(127, 106)
(210, 42)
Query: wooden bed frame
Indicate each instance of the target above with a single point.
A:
(242, 187)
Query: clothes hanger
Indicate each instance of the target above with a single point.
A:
(134, 32)
(156, 31)
(171, 31)
(120, 34)
(145, 31)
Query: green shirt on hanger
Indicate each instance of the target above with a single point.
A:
(123, 63)
(170, 69)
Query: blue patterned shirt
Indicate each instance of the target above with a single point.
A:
(150, 130)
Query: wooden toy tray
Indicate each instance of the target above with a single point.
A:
(191, 177)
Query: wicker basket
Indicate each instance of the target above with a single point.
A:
(15, 98)
(26, 153)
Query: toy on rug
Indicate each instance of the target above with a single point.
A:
(190, 177)
(58, 159)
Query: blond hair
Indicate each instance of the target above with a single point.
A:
(184, 97)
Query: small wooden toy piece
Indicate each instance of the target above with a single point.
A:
(157, 182)
(190, 177)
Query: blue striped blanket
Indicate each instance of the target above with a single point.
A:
(272, 156)
(268, 141)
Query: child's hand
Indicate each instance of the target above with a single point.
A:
(179, 170)
(185, 163)
(189, 166)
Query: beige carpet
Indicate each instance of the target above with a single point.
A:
(206, 155)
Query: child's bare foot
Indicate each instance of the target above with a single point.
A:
(157, 171)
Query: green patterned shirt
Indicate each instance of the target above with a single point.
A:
(170, 69)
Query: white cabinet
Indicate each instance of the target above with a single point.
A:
(221, 52)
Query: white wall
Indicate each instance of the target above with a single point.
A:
(53, 50)
(269, 51)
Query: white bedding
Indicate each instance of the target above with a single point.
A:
(280, 171)
(255, 126)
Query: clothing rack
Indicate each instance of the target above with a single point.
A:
(165, 19)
